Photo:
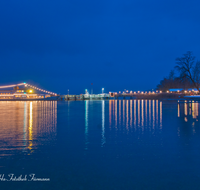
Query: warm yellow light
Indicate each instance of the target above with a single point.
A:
(30, 91)
(167, 91)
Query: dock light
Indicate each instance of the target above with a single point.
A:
(30, 91)
(153, 92)
(160, 91)
(131, 92)
(138, 91)
(167, 91)
(134, 92)
(142, 92)
(127, 91)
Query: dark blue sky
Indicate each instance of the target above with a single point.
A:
(127, 44)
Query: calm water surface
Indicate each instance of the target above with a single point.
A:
(111, 144)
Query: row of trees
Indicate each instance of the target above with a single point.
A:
(189, 74)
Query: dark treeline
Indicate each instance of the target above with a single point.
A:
(174, 82)
(189, 74)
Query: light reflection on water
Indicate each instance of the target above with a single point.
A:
(103, 144)
(126, 115)
(22, 123)
(136, 113)
(189, 111)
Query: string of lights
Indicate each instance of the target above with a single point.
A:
(13, 85)
(34, 87)
(42, 90)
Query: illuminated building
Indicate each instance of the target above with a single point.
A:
(24, 91)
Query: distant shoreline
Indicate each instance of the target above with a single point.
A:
(135, 98)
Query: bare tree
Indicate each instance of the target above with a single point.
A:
(189, 68)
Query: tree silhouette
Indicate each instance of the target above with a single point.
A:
(189, 68)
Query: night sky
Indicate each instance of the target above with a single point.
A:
(127, 44)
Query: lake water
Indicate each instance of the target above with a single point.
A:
(98, 145)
